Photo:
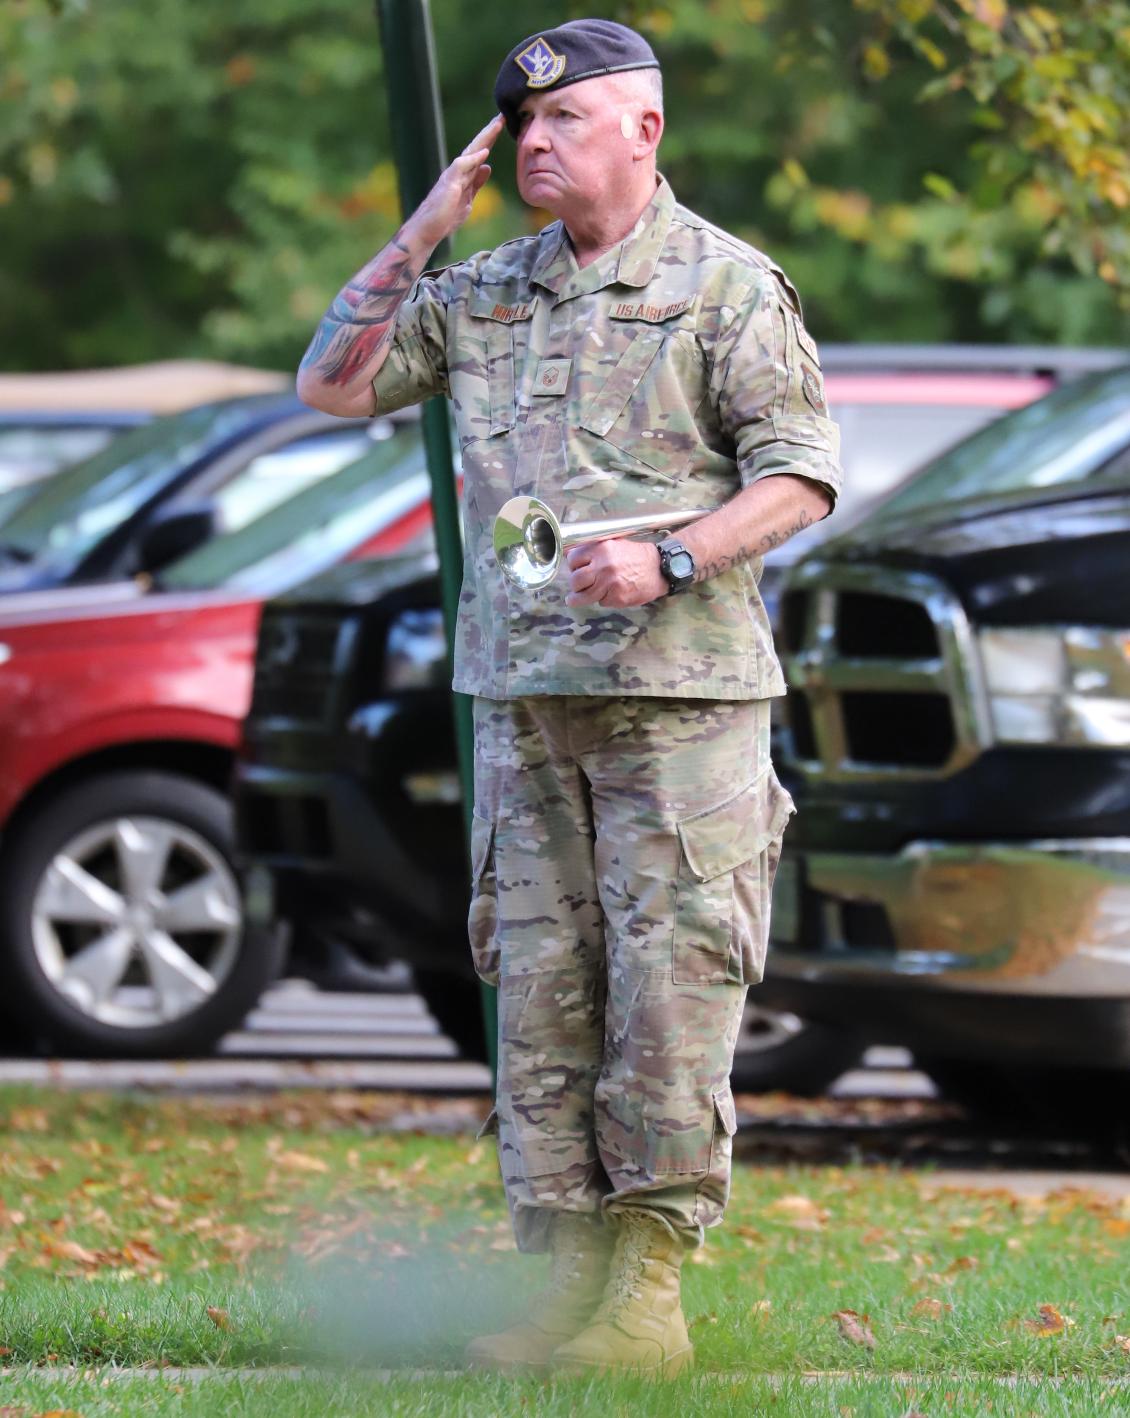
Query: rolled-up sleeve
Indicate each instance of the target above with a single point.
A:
(415, 367)
(769, 391)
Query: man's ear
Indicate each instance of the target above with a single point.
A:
(649, 132)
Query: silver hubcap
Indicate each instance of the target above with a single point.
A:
(137, 921)
(765, 1029)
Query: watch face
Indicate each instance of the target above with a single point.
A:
(681, 564)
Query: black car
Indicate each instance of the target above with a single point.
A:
(146, 498)
(957, 879)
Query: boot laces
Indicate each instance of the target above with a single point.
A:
(628, 1270)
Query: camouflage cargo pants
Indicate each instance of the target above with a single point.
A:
(623, 855)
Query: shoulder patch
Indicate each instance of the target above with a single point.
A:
(806, 342)
(810, 383)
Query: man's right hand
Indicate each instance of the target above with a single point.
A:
(350, 344)
(448, 205)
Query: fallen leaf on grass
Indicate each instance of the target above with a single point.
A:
(141, 1254)
(300, 1162)
(801, 1212)
(961, 1263)
(931, 1308)
(58, 1413)
(220, 1318)
(761, 1308)
(855, 1327)
(71, 1250)
(1048, 1321)
(1122, 1341)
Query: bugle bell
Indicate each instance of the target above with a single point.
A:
(530, 542)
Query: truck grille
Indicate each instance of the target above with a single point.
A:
(295, 661)
(883, 678)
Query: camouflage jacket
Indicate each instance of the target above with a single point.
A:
(670, 373)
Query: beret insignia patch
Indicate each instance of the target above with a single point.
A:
(811, 386)
(540, 64)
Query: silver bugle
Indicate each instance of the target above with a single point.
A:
(530, 542)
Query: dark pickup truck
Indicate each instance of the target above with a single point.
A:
(957, 878)
(347, 800)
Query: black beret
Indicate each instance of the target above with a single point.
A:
(580, 49)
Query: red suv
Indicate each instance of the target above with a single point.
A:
(120, 710)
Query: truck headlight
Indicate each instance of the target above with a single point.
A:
(5, 654)
(1058, 684)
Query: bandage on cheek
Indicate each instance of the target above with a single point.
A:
(627, 127)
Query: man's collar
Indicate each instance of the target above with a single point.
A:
(631, 263)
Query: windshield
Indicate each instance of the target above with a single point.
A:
(313, 529)
(1068, 435)
(65, 518)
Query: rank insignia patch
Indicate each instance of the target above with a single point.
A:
(540, 65)
(810, 383)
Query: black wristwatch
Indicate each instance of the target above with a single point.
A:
(677, 565)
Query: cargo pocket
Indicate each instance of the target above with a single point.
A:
(482, 919)
(728, 860)
(725, 1124)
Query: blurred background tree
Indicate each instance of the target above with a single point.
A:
(199, 179)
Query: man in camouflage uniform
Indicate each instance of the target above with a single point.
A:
(630, 358)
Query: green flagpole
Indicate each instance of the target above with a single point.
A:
(418, 143)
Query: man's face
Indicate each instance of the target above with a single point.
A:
(573, 154)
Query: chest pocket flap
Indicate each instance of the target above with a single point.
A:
(489, 355)
(644, 407)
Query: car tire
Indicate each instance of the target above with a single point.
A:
(778, 1051)
(457, 1005)
(133, 872)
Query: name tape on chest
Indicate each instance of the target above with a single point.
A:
(649, 311)
(509, 313)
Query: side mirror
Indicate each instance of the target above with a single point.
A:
(175, 535)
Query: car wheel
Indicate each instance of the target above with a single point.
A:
(123, 921)
(457, 1005)
(781, 1051)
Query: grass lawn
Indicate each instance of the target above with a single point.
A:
(290, 1230)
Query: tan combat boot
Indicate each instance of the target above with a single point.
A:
(639, 1325)
(580, 1248)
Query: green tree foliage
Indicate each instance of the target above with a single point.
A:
(199, 178)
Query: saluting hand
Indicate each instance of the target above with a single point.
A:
(448, 205)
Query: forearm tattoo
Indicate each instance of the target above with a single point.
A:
(768, 542)
(776, 539)
(362, 316)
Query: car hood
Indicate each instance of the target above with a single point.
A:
(1010, 562)
(120, 601)
(986, 524)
